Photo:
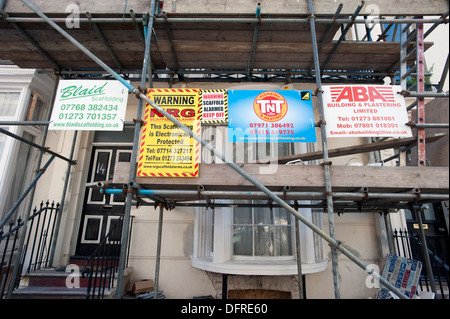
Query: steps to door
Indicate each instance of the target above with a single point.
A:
(59, 283)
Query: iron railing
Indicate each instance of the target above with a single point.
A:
(409, 245)
(37, 246)
(102, 266)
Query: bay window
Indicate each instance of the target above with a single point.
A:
(248, 237)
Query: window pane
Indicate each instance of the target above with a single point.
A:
(23, 164)
(2, 142)
(281, 216)
(264, 245)
(243, 240)
(263, 216)
(243, 215)
(8, 103)
(409, 215)
(282, 241)
(261, 231)
(428, 212)
(124, 157)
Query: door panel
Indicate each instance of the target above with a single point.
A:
(101, 212)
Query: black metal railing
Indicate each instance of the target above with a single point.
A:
(37, 246)
(102, 266)
(409, 245)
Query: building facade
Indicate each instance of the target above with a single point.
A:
(250, 250)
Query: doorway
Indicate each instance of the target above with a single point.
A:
(101, 213)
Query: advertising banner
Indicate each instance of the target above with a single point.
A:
(166, 150)
(270, 116)
(365, 111)
(90, 105)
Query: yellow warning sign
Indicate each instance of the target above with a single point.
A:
(166, 150)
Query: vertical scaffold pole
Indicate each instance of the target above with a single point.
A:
(299, 260)
(420, 63)
(326, 163)
(332, 242)
(128, 202)
(158, 250)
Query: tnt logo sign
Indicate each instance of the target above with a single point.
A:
(270, 106)
(362, 94)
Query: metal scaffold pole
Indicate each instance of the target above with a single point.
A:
(158, 250)
(128, 202)
(332, 242)
(326, 162)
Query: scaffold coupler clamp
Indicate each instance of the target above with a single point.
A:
(336, 244)
(140, 90)
(318, 90)
(411, 124)
(405, 93)
(329, 163)
(320, 123)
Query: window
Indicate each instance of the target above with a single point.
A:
(261, 231)
(253, 240)
(21, 163)
(8, 103)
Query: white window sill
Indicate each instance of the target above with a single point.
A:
(266, 267)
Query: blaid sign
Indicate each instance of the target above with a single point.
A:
(92, 105)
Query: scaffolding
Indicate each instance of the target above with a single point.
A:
(169, 65)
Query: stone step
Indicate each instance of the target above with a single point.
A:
(54, 293)
(51, 284)
(55, 278)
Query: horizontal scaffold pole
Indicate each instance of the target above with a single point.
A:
(287, 195)
(229, 20)
(333, 243)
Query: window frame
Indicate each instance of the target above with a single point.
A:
(253, 224)
(12, 146)
(213, 249)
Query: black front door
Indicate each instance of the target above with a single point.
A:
(101, 212)
(436, 233)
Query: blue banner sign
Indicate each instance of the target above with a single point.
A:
(270, 116)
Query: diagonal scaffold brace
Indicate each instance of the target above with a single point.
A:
(132, 90)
